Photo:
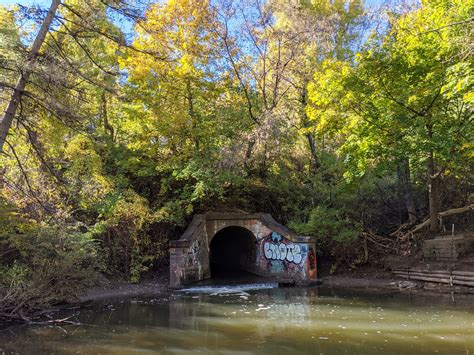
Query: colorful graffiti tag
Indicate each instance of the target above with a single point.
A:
(268, 253)
(276, 250)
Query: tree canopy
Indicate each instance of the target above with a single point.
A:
(121, 119)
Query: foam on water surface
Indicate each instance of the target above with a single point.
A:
(229, 289)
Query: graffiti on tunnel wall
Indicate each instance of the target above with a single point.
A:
(285, 255)
(280, 255)
(276, 250)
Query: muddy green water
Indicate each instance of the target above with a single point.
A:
(257, 319)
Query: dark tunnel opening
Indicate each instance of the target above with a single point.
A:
(232, 252)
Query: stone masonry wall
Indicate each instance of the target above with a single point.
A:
(278, 253)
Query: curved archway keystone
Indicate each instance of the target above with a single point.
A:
(252, 242)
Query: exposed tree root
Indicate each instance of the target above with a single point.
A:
(378, 240)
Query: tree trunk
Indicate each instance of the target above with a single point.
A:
(107, 126)
(9, 114)
(407, 190)
(248, 153)
(311, 141)
(2, 179)
(433, 190)
(191, 112)
(433, 194)
(314, 152)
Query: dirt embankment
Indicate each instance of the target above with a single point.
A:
(150, 285)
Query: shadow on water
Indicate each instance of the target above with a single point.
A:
(260, 318)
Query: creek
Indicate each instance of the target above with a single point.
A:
(260, 319)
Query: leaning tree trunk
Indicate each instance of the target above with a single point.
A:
(9, 114)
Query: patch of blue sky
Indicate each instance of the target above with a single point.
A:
(126, 24)
(48, 2)
(25, 2)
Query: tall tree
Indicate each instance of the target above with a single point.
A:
(12, 107)
(407, 97)
(274, 52)
(315, 31)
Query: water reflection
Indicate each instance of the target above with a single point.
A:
(261, 320)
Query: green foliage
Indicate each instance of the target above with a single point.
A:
(123, 233)
(84, 174)
(327, 225)
(407, 94)
(116, 147)
(43, 265)
(14, 276)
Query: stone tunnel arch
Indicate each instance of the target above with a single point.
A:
(232, 250)
(255, 243)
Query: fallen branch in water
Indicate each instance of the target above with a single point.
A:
(17, 307)
(60, 321)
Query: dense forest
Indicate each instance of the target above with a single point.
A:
(121, 120)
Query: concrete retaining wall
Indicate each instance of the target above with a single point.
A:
(448, 248)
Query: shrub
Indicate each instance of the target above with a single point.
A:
(124, 235)
(335, 234)
(42, 265)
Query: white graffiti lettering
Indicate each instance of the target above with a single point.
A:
(289, 252)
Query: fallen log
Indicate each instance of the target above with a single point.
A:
(445, 281)
(455, 211)
(454, 272)
(448, 213)
(434, 274)
(451, 281)
(426, 274)
(431, 272)
(442, 272)
(463, 273)
(463, 278)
